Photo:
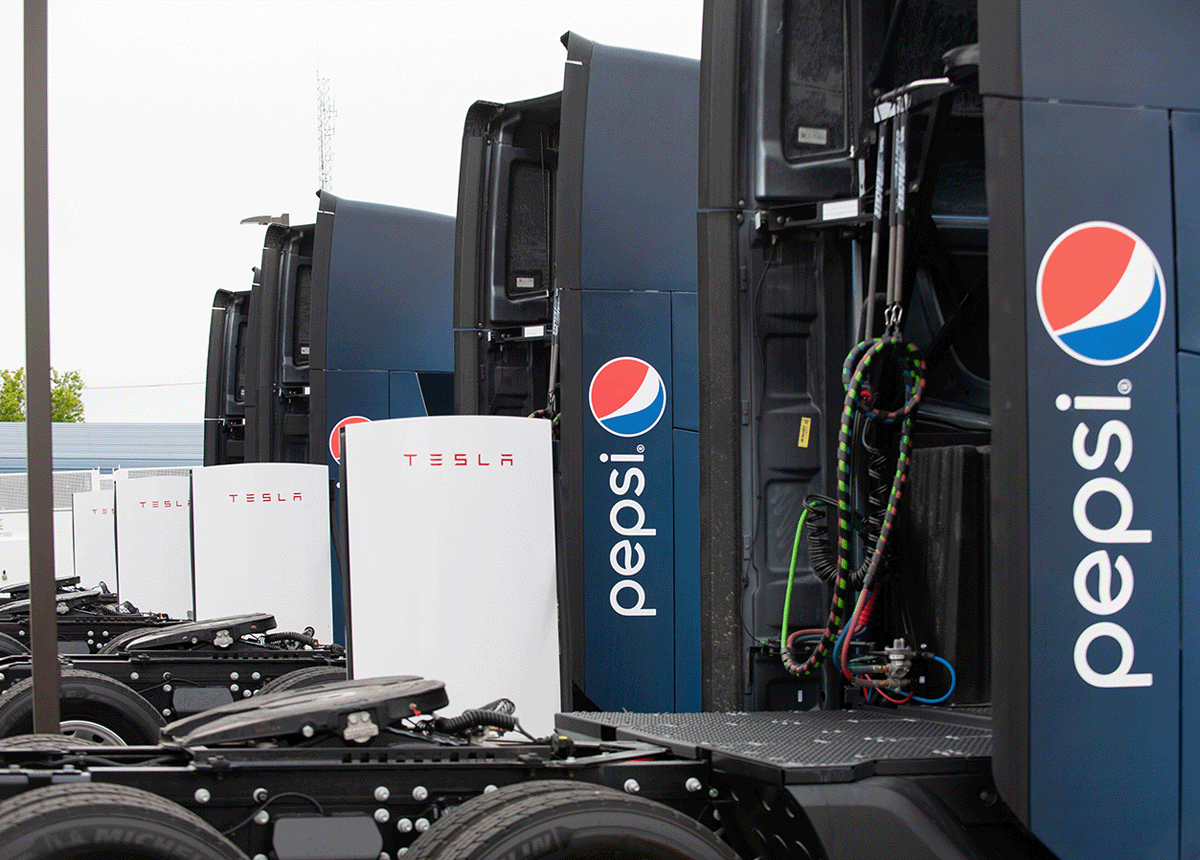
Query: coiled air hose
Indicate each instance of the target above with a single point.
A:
(854, 372)
(475, 718)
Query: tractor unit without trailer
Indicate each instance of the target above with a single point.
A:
(143, 678)
(991, 212)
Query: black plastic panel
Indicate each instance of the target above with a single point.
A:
(792, 318)
(815, 85)
(822, 746)
(325, 709)
(503, 263)
(942, 576)
(225, 387)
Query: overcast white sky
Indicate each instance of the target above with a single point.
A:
(172, 121)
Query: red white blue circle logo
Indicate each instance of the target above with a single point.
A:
(1100, 292)
(627, 396)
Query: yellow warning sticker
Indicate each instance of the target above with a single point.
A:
(805, 430)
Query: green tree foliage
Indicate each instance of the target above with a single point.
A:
(66, 395)
(12, 395)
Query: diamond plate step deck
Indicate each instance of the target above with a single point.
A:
(809, 746)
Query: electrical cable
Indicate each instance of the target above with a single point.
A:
(880, 691)
(946, 695)
(854, 372)
(268, 802)
(787, 594)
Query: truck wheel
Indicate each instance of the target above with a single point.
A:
(10, 647)
(92, 706)
(95, 821)
(300, 679)
(429, 843)
(576, 821)
(53, 743)
(117, 644)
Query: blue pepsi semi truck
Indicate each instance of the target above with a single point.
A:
(347, 318)
(948, 307)
(315, 339)
(575, 300)
(954, 564)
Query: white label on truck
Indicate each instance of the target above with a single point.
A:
(812, 136)
(837, 209)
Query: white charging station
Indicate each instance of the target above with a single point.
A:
(154, 544)
(94, 527)
(262, 543)
(452, 558)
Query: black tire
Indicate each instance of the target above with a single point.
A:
(300, 679)
(54, 743)
(117, 644)
(92, 705)
(464, 815)
(569, 820)
(10, 647)
(99, 821)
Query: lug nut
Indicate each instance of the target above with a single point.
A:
(631, 786)
(382, 815)
(382, 793)
(421, 825)
(404, 825)
(202, 795)
(262, 817)
(420, 793)
(693, 784)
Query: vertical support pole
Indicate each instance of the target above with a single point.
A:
(43, 622)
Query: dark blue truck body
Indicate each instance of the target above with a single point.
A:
(579, 207)
(347, 318)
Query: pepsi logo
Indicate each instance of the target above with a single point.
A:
(1101, 293)
(627, 396)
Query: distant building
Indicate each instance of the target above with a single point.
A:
(109, 446)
